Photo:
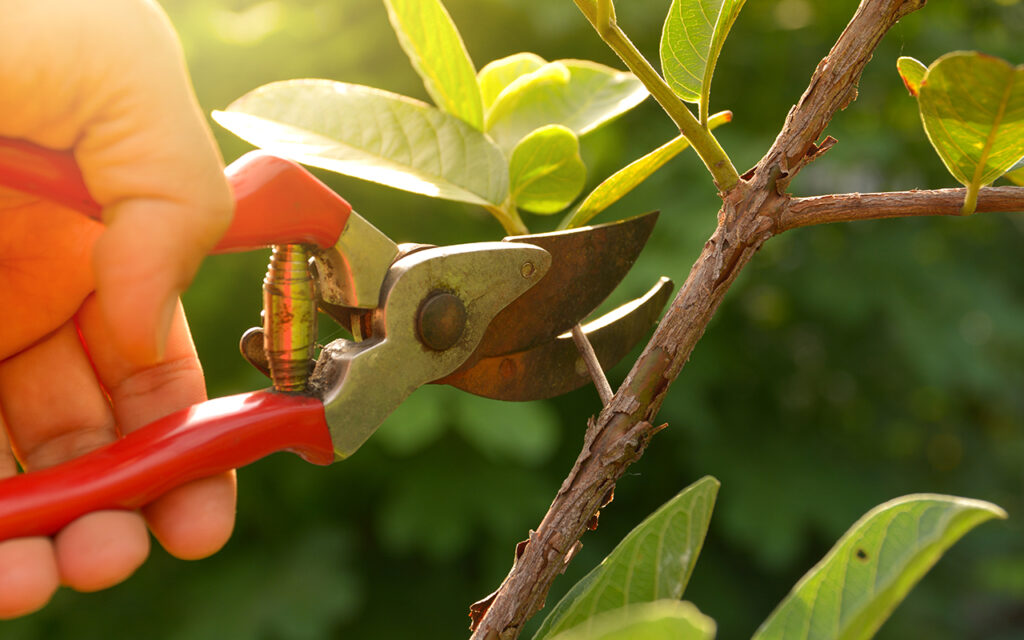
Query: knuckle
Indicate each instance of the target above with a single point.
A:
(65, 446)
(171, 378)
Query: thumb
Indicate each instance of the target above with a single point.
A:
(112, 84)
(149, 159)
(142, 262)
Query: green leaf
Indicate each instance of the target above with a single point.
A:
(1016, 173)
(497, 75)
(430, 39)
(653, 562)
(577, 94)
(912, 71)
(374, 135)
(545, 171)
(658, 620)
(972, 107)
(691, 40)
(629, 177)
(852, 591)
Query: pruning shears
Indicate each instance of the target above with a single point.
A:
(491, 318)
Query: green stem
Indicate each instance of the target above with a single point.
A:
(971, 199)
(601, 14)
(627, 178)
(508, 216)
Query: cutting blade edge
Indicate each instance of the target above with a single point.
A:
(555, 367)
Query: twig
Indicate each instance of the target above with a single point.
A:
(848, 207)
(601, 14)
(593, 365)
(751, 213)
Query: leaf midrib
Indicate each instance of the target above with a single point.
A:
(996, 124)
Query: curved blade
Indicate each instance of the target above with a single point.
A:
(586, 265)
(555, 367)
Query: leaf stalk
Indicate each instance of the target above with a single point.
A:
(970, 199)
(508, 216)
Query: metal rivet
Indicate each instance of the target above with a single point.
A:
(527, 270)
(441, 321)
(507, 368)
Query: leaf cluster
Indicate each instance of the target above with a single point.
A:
(505, 138)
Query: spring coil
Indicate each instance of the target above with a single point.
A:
(289, 317)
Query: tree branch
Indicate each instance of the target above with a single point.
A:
(833, 86)
(848, 207)
(751, 213)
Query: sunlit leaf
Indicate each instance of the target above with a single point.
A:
(852, 591)
(691, 40)
(578, 94)
(658, 620)
(972, 107)
(1016, 173)
(653, 562)
(546, 172)
(374, 135)
(629, 177)
(497, 75)
(430, 39)
(912, 72)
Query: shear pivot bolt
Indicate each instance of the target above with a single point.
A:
(527, 270)
(441, 321)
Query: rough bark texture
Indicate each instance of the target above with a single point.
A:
(752, 212)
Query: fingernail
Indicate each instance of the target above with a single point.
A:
(163, 327)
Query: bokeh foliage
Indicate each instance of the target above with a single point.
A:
(850, 364)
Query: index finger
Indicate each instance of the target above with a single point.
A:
(195, 519)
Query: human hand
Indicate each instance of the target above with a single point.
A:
(94, 343)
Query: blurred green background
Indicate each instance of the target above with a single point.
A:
(849, 365)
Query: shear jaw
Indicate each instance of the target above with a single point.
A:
(351, 272)
(435, 306)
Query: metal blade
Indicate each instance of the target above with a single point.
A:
(586, 265)
(555, 367)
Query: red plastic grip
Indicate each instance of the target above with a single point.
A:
(45, 173)
(279, 202)
(200, 441)
(276, 200)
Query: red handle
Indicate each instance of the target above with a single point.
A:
(276, 200)
(200, 441)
